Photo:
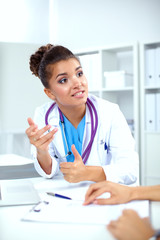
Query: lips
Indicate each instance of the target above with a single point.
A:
(78, 93)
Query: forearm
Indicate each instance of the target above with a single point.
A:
(45, 161)
(146, 192)
(95, 174)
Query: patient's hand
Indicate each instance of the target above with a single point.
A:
(130, 226)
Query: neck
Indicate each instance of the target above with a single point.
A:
(74, 115)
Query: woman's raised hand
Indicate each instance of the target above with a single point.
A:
(38, 137)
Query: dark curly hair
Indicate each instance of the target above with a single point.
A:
(44, 57)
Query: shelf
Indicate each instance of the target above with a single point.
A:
(152, 132)
(152, 87)
(120, 86)
(150, 112)
(117, 90)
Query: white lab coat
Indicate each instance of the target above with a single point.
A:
(120, 161)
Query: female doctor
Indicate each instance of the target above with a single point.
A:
(81, 136)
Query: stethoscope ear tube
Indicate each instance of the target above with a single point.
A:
(48, 112)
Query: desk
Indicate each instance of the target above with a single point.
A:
(12, 228)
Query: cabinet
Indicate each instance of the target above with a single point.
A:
(112, 73)
(150, 112)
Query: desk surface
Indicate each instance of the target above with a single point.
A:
(12, 228)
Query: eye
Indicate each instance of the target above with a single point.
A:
(63, 80)
(79, 74)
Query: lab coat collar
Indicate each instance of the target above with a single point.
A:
(53, 118)
(88, 117)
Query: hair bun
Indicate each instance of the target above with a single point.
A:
(36, 58)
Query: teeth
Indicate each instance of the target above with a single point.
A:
(79, 93)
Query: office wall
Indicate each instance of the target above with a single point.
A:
(21, 92)
(24, 26)
(24, 21)
(92, 23)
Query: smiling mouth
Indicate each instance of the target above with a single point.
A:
(78, 93)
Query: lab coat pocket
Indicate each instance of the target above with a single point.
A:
(102, 151)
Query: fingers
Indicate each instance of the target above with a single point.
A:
(41, 132)
(32, 127)
(39, 139)
(66, 165)
(94, 191)
(112, 224)
(112, 227)
(100, 201)
(91, 196)
(105, 201)
(30, 121)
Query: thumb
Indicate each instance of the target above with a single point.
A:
(76, 153)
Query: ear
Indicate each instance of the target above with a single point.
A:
(49, 93)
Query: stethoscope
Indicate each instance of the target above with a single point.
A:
(94, 125)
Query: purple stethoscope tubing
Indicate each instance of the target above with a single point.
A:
(92, 110)
(86, 153)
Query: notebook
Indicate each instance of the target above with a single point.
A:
(17, 192)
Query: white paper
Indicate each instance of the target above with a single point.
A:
(72, 211)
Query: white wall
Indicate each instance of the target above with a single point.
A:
(91, 23)
(24, 26)
(24, 21)
(21, 92)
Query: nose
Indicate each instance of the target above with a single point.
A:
(77, 83)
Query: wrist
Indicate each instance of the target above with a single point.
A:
(41, 152)
(95, 174)
(134, 193)
(45, 161)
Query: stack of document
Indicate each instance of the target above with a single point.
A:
(13, 160)
(118, 79)
(13, 166)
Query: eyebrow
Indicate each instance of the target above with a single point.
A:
(65, 73)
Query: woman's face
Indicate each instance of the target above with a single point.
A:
(68, 84)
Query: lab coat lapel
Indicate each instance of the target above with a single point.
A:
(87, 130)
(58, 140)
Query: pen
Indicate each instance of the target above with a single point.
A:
(58, 195)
